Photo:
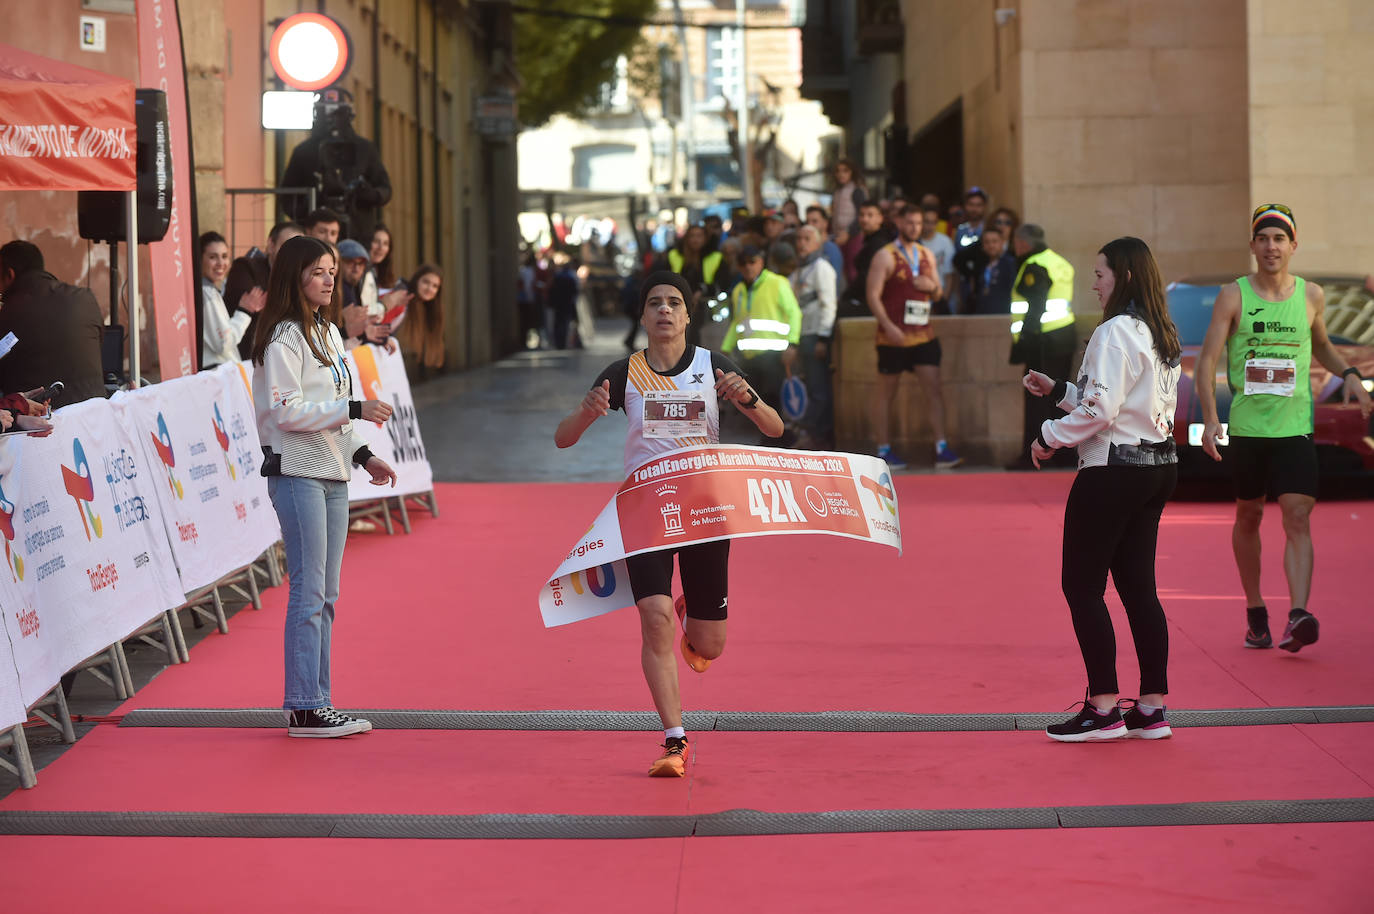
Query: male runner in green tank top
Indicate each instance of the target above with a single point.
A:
(1271, 325)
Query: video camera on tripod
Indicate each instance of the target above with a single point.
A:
(345, 168)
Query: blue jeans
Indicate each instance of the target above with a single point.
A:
(314, 524)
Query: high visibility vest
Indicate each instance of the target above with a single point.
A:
(1058, 307)
(764, 317)
(709, 264)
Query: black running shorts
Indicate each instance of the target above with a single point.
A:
(897, 359)
(705, 572)
(1272, 466)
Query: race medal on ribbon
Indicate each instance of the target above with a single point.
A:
(917, 313)
(674, 414)
(1270, 376)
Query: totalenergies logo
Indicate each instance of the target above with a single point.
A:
(162, 443)
(882, 491)
(222, 436)
(81, 488)
(599, 580)
(13, 559)
(368, 374)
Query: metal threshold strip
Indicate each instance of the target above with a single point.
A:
(741, 721)
(721, 824)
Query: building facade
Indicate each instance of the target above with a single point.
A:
(418, 70)
(630, 143)
(1168, 120)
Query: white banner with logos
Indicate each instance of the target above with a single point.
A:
(198, 437)
(381, 375)
(86, 554)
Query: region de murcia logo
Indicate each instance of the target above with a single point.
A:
(13, 558)
(82, 489)
(162, 444)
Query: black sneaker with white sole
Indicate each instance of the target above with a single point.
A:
(1089, 725)
(1140, 725)
(367, 724)
(1301, 631)
(1257, 628)
(321, 723)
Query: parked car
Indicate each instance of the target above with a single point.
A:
(1345, 440)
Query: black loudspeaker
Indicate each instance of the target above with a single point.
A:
(100, 213)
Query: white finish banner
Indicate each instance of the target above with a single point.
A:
(87, 558)
(381, 375)
(713, 492)
(198, 437)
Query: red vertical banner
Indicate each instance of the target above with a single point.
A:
(173, 280)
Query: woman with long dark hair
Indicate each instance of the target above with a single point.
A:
(379, 255)
(1121, 419)
(302, 394)
(422, 333)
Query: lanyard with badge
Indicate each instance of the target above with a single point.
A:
(915, 313)
(337, 368)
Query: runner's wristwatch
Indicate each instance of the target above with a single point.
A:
(1352, 370)
(753, 400)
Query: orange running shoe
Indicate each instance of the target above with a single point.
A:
(698, 663)
(673, 762)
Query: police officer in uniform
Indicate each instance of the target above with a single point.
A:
(1042, 329)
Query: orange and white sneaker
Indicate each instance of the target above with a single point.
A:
(698, 663)
(673, 762)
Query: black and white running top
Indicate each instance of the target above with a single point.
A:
(669, 409)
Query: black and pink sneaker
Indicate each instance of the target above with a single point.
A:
(1140, 725)
(1088, 725)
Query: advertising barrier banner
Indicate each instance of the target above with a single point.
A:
(713, 492)
(381, 375)
(85, 550)
(199, 438)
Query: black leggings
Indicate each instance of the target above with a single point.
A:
(1111, 523)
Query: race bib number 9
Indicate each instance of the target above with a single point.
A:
(674, 414)
(1277, 377)
(917, 313)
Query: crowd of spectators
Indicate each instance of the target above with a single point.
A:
(983, 259)
(372, 306)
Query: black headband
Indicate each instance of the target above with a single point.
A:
(663, 278)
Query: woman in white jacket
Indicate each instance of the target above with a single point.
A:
(302, 396)
(1121, 419)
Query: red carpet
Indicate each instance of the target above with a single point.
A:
(471, 772)
(969, 619)
(1298, 869)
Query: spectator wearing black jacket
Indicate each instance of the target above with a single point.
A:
(877, 233)
(58, 326)
(249, 274)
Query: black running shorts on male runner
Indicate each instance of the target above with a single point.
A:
(897, 359)
(1272, 466)
(703, 567)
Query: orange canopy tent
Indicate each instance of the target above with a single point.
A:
(64, 127)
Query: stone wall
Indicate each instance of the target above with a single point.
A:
(1099, 118)
(982, 393)
(1312, 125)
